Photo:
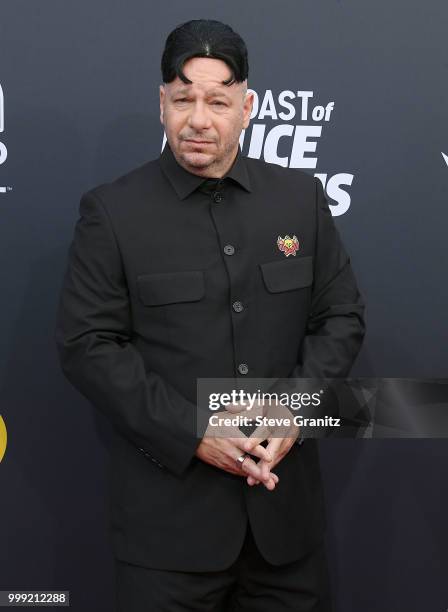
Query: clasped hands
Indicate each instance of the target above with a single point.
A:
(222, 444)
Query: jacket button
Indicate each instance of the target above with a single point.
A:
(229, 249)
(243, 369)
(237, 306)
(217, 197)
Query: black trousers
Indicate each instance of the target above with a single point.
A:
(250, 584)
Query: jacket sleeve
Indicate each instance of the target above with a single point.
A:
(336, 324)
(93, 338)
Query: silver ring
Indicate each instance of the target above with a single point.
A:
(241, 458)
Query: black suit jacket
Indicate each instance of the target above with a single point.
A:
(148, 306)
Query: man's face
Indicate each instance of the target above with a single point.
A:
(203, 120)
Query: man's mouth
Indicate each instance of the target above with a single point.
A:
(194, 141)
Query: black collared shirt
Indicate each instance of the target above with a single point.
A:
(185, 182)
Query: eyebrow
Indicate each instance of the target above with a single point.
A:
(209, 92)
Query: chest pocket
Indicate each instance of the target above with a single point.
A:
(286, 275)
(162, 288)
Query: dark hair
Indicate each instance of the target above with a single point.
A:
(204, 38)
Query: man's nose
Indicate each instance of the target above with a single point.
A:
(199, 118)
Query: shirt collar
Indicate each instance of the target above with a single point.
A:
(185, 182)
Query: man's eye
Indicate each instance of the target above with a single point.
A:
(218, 103)
(181, 100)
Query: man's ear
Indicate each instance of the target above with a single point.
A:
(162, 98)
(248, 105)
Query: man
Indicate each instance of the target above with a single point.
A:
(175, 273)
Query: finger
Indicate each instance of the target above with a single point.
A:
(265, 469)
(235, 408)
(251, 480)
(260, 434)
(270, 485)
(255, 448)
(273, 446)
(252, 469)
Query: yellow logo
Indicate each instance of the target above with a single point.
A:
(3, 437)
